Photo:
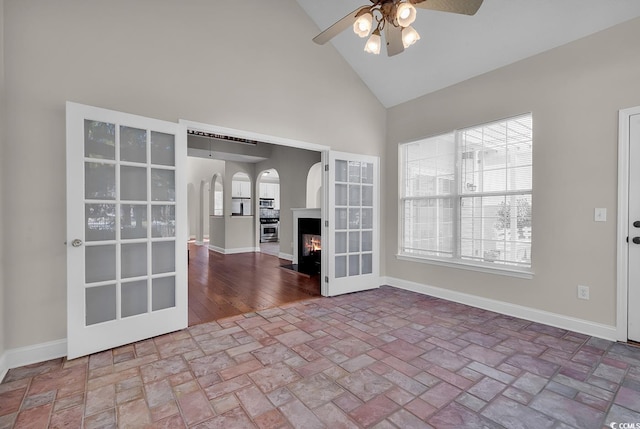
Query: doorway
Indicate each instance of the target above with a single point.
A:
(628, 320)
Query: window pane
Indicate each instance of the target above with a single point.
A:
(468, 193)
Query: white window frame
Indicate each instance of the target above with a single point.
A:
(455, 261)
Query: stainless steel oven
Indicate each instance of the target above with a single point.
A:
(269, 230)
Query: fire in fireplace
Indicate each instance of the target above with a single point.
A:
(309, 245)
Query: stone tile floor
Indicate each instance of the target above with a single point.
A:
(386, 358)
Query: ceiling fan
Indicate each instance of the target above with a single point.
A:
(394, 17)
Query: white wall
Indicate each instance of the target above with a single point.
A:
(165, 59)
(314, 187)
(574, 93)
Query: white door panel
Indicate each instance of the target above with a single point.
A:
(126, 211)
(634, 229)
(353, 212)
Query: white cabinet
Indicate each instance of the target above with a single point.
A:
(272, 191)
(240, 189)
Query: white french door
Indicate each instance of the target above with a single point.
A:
(353, 213)
(126, 208)
(634, 229)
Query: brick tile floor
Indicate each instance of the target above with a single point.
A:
(380, 359)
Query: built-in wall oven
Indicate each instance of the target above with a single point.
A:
(269, 230)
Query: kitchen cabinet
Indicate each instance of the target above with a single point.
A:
(271, 191)
(240, 189)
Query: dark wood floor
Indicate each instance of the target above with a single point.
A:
(228, 285)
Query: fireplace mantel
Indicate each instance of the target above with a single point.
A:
(297, 214)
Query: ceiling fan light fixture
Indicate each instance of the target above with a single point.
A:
(373, 44)
(405, 14)
(362, 25)
(409, 36)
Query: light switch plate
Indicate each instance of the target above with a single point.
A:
(600, 215)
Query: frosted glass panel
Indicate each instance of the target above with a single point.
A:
(367, 241)
(367, 218)
(354, 241)
(163, 255)
(163, 221)
(341, 195)
(354, 218)
(100, 222)
(341, 171)
(99, 140)
(100, 304)
(341, 218)
(162, 148)
(163, 186)
(354, 195)
(133, 144)
(367, 196)
(133, 183)
(354, 265)
(341, 242)
(100, 262)
(164, 293)
(367, 173)
(354, 172)
(367, 263)
(99, 181)
(133, 221)
(134, 260)
(341, 266)
(134, 298)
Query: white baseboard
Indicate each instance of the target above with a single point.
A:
(286, 256)
(553, 319)
(21, 356)
(234, 251)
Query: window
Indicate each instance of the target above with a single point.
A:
(465, 196)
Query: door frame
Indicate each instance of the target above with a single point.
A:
(185, 125)
(622, 309)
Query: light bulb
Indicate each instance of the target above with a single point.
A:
(405, 14)
(363, 24)
(373, 44)
(409, 36)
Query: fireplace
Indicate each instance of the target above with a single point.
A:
(309, 245)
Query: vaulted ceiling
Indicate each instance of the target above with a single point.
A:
(454, 48)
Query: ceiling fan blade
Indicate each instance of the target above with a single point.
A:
(393, 37)
(465, 7)
(339, 26)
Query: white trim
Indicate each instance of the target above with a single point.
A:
(535, 315)
(622, 272)
(285, 256)
(21, 356)
(234, 251)
(511, 272)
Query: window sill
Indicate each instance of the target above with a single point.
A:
(464, 265)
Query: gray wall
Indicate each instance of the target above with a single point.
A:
(3, 160)
(199, 169)
(293, 167)
(240, 231)
(574, 93)
(164, 59)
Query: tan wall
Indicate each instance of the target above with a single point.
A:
(165, 59)
(2, 168)
(574, 93)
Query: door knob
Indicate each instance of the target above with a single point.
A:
(77, 242)
(636, 240)
(636, 224)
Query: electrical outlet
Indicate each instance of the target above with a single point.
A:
(583, 292)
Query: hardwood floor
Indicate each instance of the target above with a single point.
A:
(228, 285)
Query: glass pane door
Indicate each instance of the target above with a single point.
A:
(353, 220)
(122, 174)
